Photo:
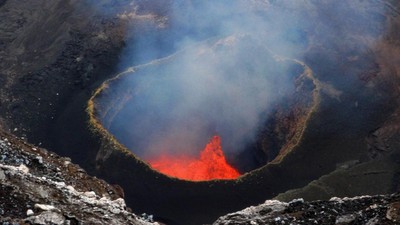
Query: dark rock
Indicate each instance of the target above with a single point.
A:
(39, 187)
(382, 209)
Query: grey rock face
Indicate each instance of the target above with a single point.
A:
(383, 209)
(50, 191)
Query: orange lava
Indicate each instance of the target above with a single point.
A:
(211, 164)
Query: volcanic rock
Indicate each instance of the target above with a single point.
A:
(54, 192)
(358, 210)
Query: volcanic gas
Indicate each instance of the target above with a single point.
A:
(155, 120)
(165, 112)
(211, 164)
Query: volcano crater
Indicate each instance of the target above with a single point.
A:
(150, 112)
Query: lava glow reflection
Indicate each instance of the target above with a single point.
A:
(211, 164)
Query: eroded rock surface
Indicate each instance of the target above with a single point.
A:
(39, 187)
(370, 210)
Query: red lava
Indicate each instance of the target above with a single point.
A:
(211, 164)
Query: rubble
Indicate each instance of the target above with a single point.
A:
(380, 209)
(49, 191)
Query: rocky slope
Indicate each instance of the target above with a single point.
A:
(51, 51)
(39, 187)
(371, 210)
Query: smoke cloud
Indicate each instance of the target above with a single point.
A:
(224, 76)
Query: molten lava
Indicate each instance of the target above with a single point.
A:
(211, 164)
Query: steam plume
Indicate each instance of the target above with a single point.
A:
(224, 78)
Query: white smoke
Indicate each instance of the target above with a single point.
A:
(224, 78)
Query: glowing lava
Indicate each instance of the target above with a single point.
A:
(211, 164)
